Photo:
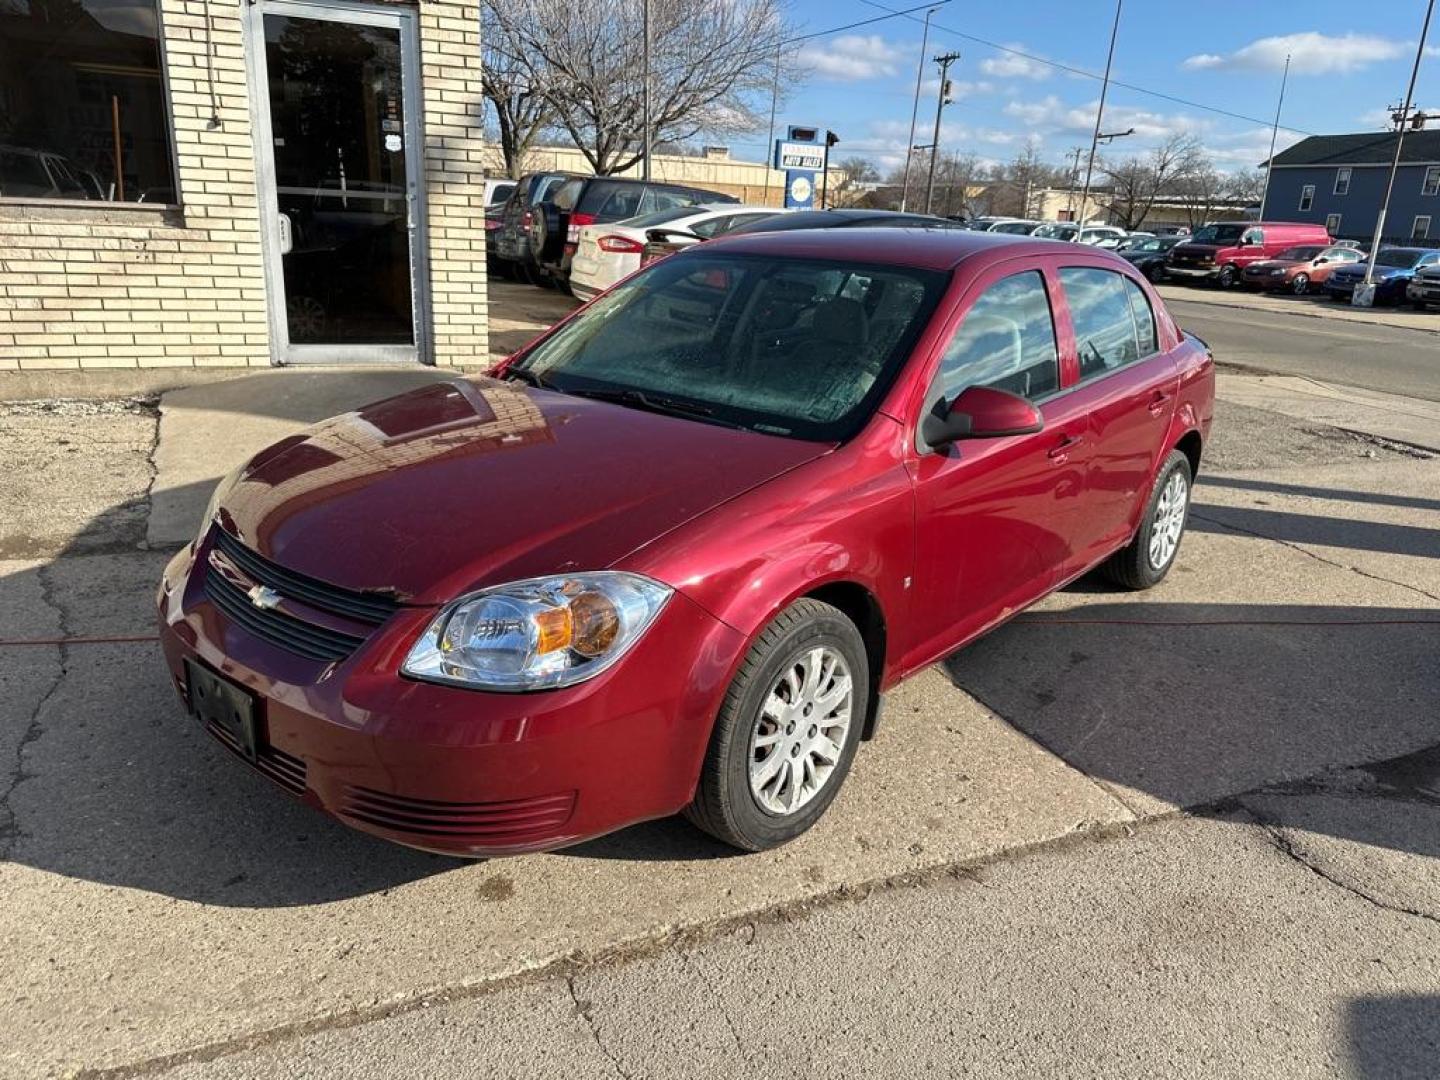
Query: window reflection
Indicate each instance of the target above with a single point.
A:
(82, 102)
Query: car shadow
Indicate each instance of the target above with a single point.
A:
(1393, 1036)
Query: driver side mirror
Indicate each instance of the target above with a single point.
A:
(980, 412)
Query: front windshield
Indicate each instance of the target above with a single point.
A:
(1022, 228)
(659, 217)
(1398, 257)
(1219, 234)
(796, 347)
(1299, 254)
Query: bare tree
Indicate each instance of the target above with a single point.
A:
(1136, 182)
(855, 177)
(514, 87)
(710, 61)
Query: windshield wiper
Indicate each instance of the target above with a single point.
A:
(639, 399)
(533, 378)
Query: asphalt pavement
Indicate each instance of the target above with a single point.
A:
(1375, 357)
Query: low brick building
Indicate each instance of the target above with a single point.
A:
(186, 182)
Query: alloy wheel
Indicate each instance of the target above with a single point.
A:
(1169, 520)
(800, 732)
(1300, 284)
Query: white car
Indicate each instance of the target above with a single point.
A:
(606, 253)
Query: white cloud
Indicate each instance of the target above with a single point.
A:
(1010, 66)
(960, 89)
(852, 57)
(1310, 53)
(1247, 149)
(1050, 115)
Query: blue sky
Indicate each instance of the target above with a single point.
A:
(1222, 53)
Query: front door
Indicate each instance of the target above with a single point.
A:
(334, 101)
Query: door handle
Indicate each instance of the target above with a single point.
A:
(1157, 403)
(1067, 444)
(287, 237)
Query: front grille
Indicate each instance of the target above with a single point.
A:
(286, 631)
(284, 769)
(497, 823)
(365, 607)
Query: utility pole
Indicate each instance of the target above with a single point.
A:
(1395, 163)
(645, 90)
(1274, 132)
(915, 109)
(1074, 178)
(770, 139)
(941, 100)
(1099, 115)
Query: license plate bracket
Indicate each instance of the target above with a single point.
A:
(215, 700)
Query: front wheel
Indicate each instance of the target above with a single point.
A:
(1146, 560)
(1155, 272)
(1300, 284)
(787, 730)
(1228, 278)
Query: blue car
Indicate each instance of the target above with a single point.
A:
(1394, 267)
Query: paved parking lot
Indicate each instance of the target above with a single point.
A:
(1119, 814)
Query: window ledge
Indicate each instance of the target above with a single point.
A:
(91, 212)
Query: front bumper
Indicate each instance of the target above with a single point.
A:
(1192, 273)
(1425, 292)
(456, 771)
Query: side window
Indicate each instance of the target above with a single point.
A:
(661, 199)
(713, 226)
(1006, 341)
(624, 202)
(1108, 330)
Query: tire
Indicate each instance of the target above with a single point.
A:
(1155, 272)
(1300, 284)
(530, 273)
(1132, 566)
(1419, 305)
(547, 233)
(726, 804)
(1228, 277)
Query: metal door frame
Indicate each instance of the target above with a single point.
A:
(282, 351)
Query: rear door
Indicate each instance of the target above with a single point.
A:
(1125, 382)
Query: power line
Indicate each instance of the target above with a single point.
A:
(1081, 71)
(893, 14)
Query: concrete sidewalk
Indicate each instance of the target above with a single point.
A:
(161, 903)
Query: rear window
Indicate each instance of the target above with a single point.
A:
(615, 202)
(567, 195)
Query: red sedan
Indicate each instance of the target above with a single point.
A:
(670, 556)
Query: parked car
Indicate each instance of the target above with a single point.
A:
(606, 253)
(1133, 238)
(1148, 256)
(1423, 289)
(672, 556)
(511, 242)
(497, 190)
(1170, 230)
(1105, 236)
(1218, 253)
(41, 174)
(850, 219)
(990, 221)
(590, 200)
(1394, 268)
(1299, 269)
(1016, 228)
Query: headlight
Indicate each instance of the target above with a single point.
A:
(221, 490)
(537, 634)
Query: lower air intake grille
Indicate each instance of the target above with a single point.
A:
(498, 823)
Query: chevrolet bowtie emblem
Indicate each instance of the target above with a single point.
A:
(264, 597)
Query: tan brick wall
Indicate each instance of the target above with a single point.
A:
(84, 286)
(455, 178)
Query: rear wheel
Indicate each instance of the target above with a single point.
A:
(1300, 284)
(1146, 560)
(787, 730)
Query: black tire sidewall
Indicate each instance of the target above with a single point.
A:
(754, 827)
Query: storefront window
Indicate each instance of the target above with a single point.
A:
(82, 102)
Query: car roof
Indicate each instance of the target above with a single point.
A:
(925, 249)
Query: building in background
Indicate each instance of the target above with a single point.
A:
(1339, 181)
(752, 182)
(188, 182)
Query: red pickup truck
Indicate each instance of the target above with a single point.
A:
(1218, 253)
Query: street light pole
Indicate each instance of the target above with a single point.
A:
(915, 109)
(1274, 132)
(1399, 143)
(645, 90)
(1099, 115)
(944, 60)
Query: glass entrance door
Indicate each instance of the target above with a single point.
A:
(339, 175)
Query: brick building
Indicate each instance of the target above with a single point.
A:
(187, 182)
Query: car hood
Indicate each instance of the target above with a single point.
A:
(1274, 264)
(1357, 271)
(471, 483)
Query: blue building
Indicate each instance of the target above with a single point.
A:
(1339, 181)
